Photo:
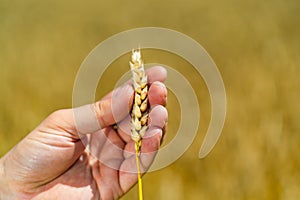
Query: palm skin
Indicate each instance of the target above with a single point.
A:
(52, 162)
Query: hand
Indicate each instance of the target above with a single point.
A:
(52, 162)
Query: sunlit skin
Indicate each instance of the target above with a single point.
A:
(52, 162)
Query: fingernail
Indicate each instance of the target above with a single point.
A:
(160, 84)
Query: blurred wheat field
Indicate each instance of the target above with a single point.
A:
(254, 43)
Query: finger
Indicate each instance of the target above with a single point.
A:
(157, 121)
(105, 168)
(149, 148)
(152, 139)
(112, 152)
(107, 147)
(157, 94)
(156, 73)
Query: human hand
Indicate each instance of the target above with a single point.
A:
(52, 161)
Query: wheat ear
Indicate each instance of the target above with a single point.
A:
(139, 114)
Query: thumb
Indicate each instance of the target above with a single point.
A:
(92, 117)
(108, 111)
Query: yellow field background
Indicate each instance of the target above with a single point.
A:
(255, 44)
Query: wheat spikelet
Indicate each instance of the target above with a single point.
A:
(139, 112)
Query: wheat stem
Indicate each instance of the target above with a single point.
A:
(139, 112)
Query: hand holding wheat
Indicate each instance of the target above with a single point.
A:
(52, 162)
